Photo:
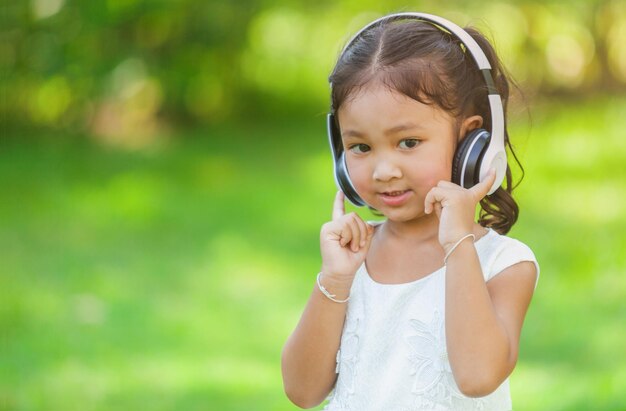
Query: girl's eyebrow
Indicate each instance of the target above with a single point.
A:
(392, 130)
(402, 127)
(351, 133)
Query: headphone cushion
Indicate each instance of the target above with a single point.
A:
(462, 152)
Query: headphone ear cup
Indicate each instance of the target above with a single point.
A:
(468, 158)
(334, 137)
(344, 182)
(342, 178)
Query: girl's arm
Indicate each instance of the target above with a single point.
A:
(309, 356)
(483, 322)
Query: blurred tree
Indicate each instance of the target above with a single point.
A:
(120, 68)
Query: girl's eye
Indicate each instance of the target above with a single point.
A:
(360, 148)
(409, 143)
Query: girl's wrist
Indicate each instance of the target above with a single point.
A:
(452, 237)
(449, 250)
(337, 285)
(447, 246)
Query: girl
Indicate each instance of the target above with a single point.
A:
(424, 310)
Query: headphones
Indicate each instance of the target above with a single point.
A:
(478, 152)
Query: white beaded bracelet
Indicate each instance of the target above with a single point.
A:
(445, 259)
(327, 294)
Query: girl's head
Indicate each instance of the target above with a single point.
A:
(422, 63)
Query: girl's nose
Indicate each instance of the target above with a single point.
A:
(385, 171)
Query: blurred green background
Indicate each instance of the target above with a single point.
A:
(165, 172)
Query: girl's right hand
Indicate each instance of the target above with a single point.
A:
(344, 243)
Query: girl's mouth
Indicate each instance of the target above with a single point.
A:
(395, 198)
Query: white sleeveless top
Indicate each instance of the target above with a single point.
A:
(393, 353)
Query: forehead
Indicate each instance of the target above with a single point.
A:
(379, 104)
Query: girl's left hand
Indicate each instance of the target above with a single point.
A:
(456, 208)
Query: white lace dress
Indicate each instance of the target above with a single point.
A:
(393, 353)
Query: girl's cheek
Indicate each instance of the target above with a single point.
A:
(431, 173)
(357, 170)
(361, 183)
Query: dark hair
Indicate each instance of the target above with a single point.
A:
(427, 64)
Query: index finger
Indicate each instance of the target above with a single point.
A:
(338, 207)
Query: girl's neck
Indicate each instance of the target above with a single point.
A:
(424, 229)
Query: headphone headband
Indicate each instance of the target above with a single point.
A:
(475, 50)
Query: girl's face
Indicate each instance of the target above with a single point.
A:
(397, 149)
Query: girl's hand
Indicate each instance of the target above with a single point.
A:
(456, 207)
(344, 242)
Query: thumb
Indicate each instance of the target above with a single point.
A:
(481, 189)
(338, 206)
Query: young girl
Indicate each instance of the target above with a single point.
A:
(424, 310)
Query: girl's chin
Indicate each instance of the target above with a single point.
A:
(402, 216)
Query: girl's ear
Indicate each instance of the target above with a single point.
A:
(469, 124)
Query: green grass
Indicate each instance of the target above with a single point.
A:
(169, 278)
